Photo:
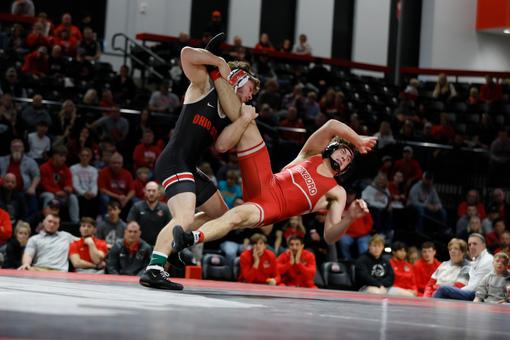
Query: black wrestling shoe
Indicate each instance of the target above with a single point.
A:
(182, 239)
(160, 279)
(214, 44)
(182, 259)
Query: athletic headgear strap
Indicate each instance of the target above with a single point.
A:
(332, 147)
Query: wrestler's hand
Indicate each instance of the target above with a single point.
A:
(248, 113)
(223, 68)
(358, 209)
(366, 144)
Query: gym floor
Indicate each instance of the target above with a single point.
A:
(82, 306)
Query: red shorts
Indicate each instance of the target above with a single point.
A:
(260, 187)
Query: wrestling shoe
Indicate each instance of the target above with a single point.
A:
(214, 44)
(182, 239)
(158, 278)
(182, 259)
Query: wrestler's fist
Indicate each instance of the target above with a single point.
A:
(248, 112)
(358, 209)
(366, 144)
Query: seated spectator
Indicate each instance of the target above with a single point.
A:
(451, 273)
(499, 159)
(297, 265)
(294, 227)
(423, 198)
(493, 288)
(88, 253)
(112, 227)
(35, 113)
(85, 183)
(413, 255)
(12, 85)
(88, 49)
(491, 91)
(26, 171)
(314, 238)
(294, 99)
(37, 38)
(303, 47)
(129, 255)
(67, 25)
(498, 200)
(5, 227)
(65, 122)
(258, 265)
(404, 283)
(270, 96)
(474, 226)
(48, 250)
(373, 272)
(42, 18)
(377, 196)
(16, 245)
(443, 90)
(495, 237)
(114, 126)
(11, 199)
(115, 182)
(67, 42)
(462, 223)
(409, 167)
(492, 216)
(443, 132)
(57, 183)
(358, 231)
(84, 139)
(146, 153)
(123, 87)
(384, 135)
(292, 121)
(472, 198)
(36, 220)
(264, 44)
(143, 175)
(230, 189)
(23, 8)
(58, 64)
(237, 51)
(151, 214)
(411, 91)
(474, 96)
(164, 100)
(39, 143)
(286, 46)
(311, 106)
(426, 266)
(481, 265)
(505, 243)
(398, 199)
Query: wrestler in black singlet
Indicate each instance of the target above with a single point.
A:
(197, 128)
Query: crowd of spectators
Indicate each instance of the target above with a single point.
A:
(86, 163)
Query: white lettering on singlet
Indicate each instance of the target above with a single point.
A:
(310, 184)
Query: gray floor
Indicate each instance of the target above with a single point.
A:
(36, 308)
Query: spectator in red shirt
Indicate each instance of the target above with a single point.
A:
(297, 265)
(409, 167)
(294, 227)
(404, 283)
(472, 198)
(67, 25)
(5, 227)
(264, 43)
(88, 253)
(56, 182)
(424, 267)
(491, 91)
(443, 132)
(36, 63)
(505, 243)
(37, 38)
(146, 153)
(494, 239)
(68, 43)
(258, 265)
(115, 182)
(292, 121)
(143, 175)
(358, 231)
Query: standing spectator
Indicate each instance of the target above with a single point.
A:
(443, 90)
(493, 288)
(130, 255)
(426, 266)
(26, 171)
(57, 182)
(16, 246)
(48, 250)
(35, 113)
(358, 231)
(258, 265)
(499, 165)
(88, 253)
(409, 167)
(472, 198)
(451, 273)
(39, 143)
(297, 265)
(11, 199)
(151, 214)
(85, 183)
(378, 199)
(113, 127)
(230, 189)
(373, 272)
(23, 8)
(481, 265)
(112, 227)
(491, 91)
(423, 198)
(164, 100)
(146, 153)
(404, 283)
(115, 182)
(67, 25)
(495, 237)
(303, 47)
(5, 227)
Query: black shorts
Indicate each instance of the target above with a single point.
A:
(178, 178)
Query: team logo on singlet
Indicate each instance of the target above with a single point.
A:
(310, 184)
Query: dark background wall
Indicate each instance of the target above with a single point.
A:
(201, 15)
(278, 19)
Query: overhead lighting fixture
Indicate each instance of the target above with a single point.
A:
(506, 31)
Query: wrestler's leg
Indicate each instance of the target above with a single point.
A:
(243, 216)
(213, 208)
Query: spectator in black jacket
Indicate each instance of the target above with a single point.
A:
(130, 255)
(373, 272)
(16, 245)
